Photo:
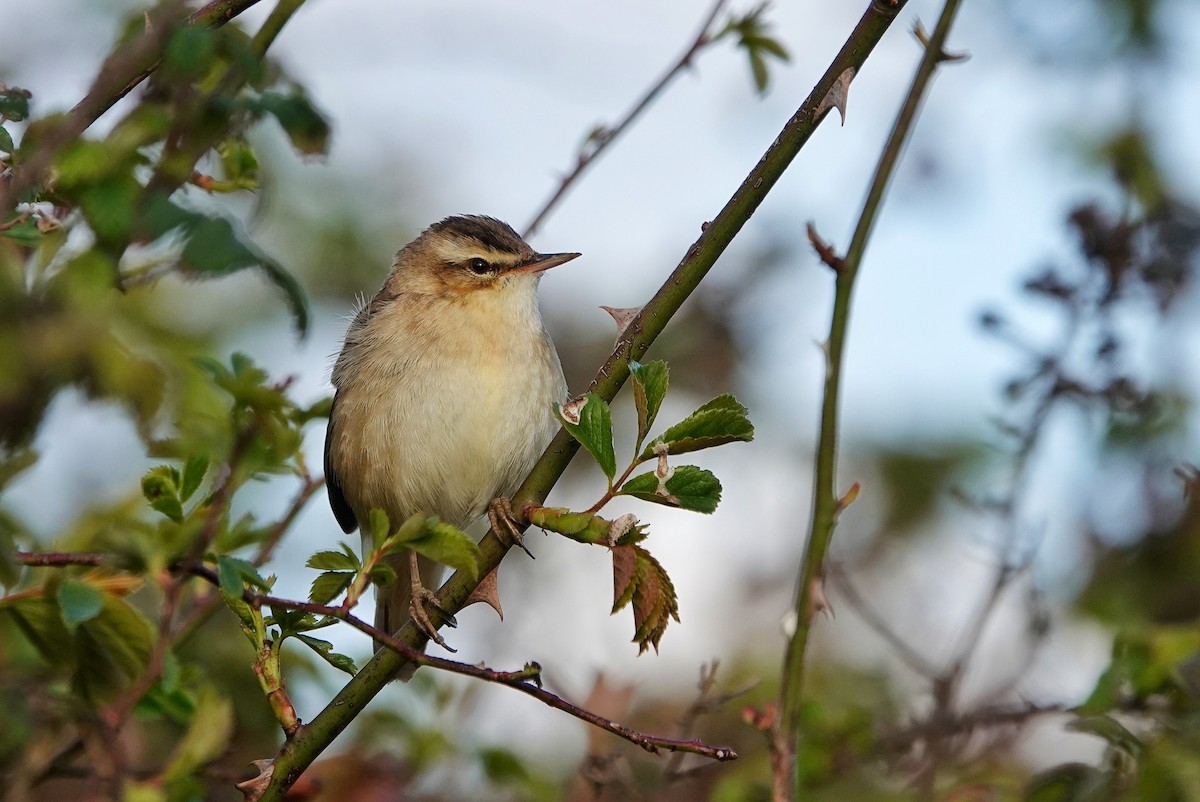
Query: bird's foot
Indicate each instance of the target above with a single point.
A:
(505, 523)
(421, 598)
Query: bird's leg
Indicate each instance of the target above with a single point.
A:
(422, 596)
(506, 524)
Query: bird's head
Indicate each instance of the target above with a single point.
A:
(470, 254)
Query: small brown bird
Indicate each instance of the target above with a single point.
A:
(444, 394)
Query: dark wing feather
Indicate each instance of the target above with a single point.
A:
(337, 499)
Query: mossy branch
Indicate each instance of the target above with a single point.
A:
(313, 738)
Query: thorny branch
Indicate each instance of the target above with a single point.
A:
(827, 502)
(635, 340)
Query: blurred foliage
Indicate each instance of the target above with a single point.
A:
(120, 677)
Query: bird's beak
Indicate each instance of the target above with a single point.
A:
(544, 261)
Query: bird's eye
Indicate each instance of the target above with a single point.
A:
(479, 266)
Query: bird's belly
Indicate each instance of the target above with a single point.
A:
(447, 438)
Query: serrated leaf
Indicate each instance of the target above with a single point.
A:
(689, 488)
(447, 544)
(207, 736)
(722, 420)
(160, 487)
(650, 382)
(332, 561)
(324, 650)
(78, 602)
(589, 420)
(329, 585)
(624, 576)
(639, 579)
(193, 474)
(229, 577)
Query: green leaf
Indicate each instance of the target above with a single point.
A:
(589, 420)
(306, 127)
(382, 574)
(1111, 730)
(333, 561)
(502, 765)
(380, 527)
(78, 602)
(160, 486)
(238, 160)
(689, 488)
(329, 585)
(206, 738)
(213, 248)
(189, 54)
(40, 620)
(324, 650)
(6, 143)
(230, 577)
(444, 543)
(193, 474)
(650, 383)
(753, 36)
(579, 526)
(112, 649)
(110, 205)
(14, 103)
(234, 573)
(722, 420)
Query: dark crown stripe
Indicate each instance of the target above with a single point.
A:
(489, 232)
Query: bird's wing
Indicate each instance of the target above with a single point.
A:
(337, 499)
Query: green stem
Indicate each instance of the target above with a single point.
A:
(636, 339)
(825, 496)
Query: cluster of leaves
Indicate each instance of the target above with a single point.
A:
(209, 91)
(343, 571)
(638, 578)
(753, 35)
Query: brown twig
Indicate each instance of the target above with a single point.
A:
(706, 702)
(527, 680)
(605, 136)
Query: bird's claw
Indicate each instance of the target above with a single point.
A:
(422, 597)
(505, 523)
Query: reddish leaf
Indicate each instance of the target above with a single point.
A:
(624, 574)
